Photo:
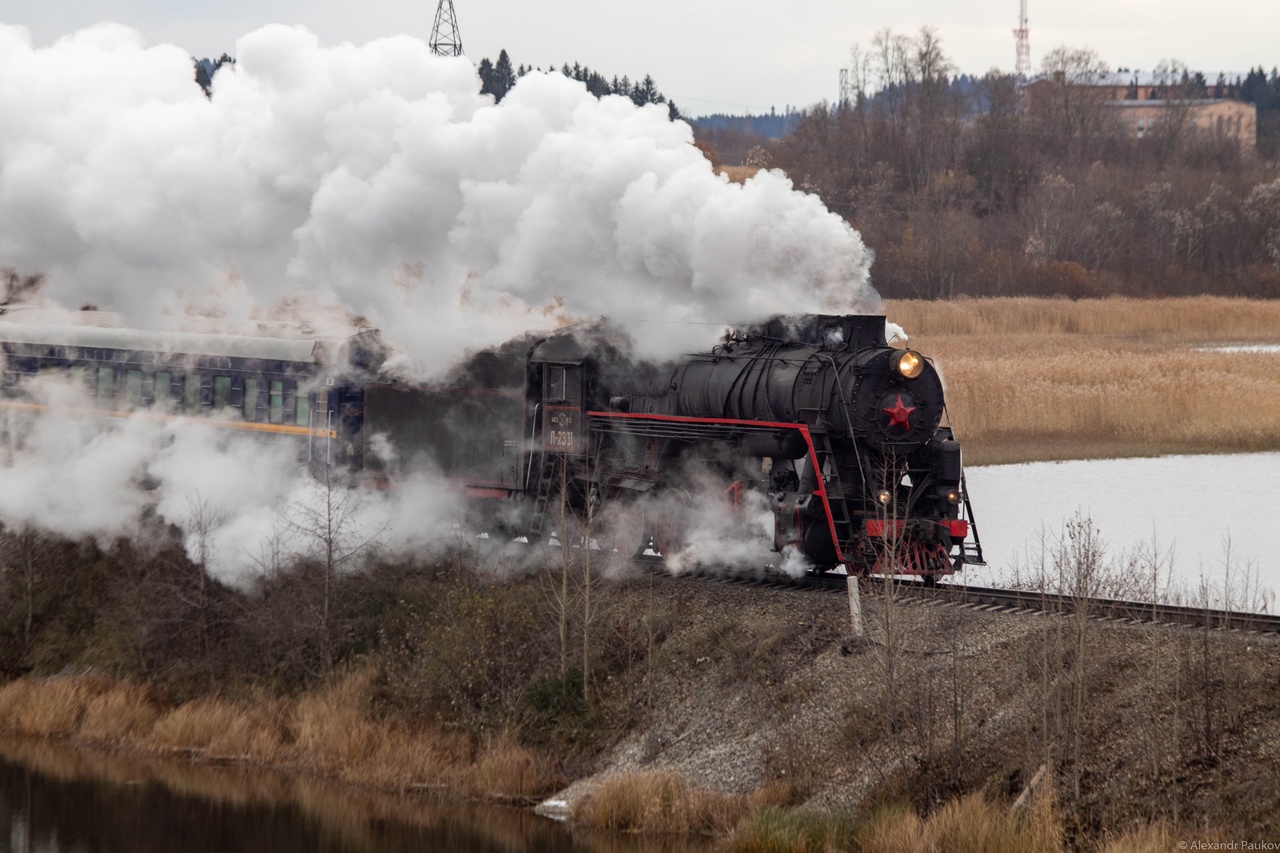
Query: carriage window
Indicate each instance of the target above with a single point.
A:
(106, 383)
(276, 401)
(133, 387)
(163, 386)
(77, 375)
(304, 409)
(191, 392)
(555, 383)
(221, 391)
(250, 399)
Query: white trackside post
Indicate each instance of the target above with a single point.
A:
(855, 605)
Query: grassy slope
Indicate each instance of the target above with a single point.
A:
(757, 713)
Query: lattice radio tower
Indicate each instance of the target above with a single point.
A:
(1022, 68)
(445, 38)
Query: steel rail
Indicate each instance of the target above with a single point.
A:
(1011, 600)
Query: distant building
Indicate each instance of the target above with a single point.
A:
(1143, 103)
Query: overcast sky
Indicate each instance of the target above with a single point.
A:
(709, 57)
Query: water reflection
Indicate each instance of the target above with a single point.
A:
(54, 799)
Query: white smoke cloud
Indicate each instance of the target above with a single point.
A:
(231, 494)
(370, 181)
(711, 528)
(376, 177)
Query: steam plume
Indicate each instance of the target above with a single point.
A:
(376, 177)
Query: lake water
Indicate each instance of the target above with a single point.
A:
(1193, 506)
(57, 800)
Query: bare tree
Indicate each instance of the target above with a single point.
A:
(203, 522)
(919, 111)
(1073, 121)
(336, 535)
(1178, 91)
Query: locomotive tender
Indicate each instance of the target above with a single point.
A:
(839, 432)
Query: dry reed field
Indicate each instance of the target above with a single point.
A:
(1039, 379)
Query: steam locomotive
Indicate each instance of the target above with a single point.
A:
(839, 434)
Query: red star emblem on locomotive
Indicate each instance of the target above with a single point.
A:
(898, 414)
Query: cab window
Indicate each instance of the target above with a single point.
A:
(555, 389)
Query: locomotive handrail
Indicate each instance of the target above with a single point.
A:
(848, 419)
(973, 526)
(533, 429)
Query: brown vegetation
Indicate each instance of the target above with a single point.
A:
(974, 190)
(329, 732)
(792, 732)
(1057, 379)
(658, 802)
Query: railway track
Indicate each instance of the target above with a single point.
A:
(1024, 601)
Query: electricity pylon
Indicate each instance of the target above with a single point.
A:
(445, 38)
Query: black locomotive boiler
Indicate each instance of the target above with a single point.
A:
(842, 433)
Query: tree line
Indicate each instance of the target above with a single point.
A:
(1057, 198)
(498, 78)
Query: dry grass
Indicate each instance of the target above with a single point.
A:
(198, 724)
(1035, 379)
(51, 707)
(1199, 319)
(125, 714)
(658, 802)
(332, 727)
(330, 732)
(226, 730)
(738, 174)
(785, 830)
(967, 825)
(511, 771)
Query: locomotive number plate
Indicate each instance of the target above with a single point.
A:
(561, 426)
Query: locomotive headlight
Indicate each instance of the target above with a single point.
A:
(909, 364)
(884, 497)
(953, 497)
